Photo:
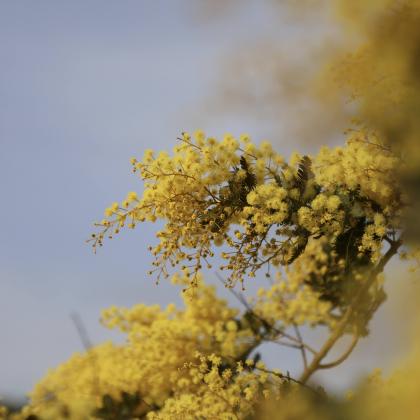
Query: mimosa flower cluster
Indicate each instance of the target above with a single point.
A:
(320, 230)
(260, 208)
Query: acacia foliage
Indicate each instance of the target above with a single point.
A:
(322, 228)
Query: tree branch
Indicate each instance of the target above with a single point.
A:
(341, 326)
(302, 347)
(343, 357)
(295, 342)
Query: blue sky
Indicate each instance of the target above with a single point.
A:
(84, 86)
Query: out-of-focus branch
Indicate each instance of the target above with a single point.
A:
(302, 347)
(341, 326)
(343, 357)
(81, 330)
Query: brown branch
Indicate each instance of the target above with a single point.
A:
(343, 357)
(297, 343)
(302, 347)
(288, 378)
(341, 326)
(284, 344)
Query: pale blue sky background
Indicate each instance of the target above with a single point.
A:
(85, 85)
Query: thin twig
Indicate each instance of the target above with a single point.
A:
(288, 378)
(343, 357)
(266, 324)
(342, 324)
(87, 344)
(302, 347)
(282, 343)
(81, 330)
